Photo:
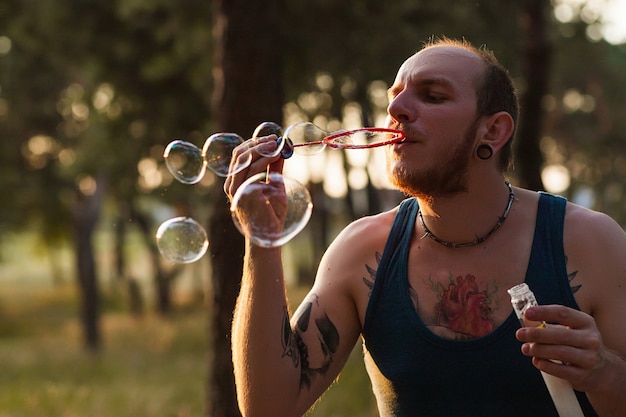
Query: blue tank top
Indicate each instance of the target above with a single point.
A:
(417, 373)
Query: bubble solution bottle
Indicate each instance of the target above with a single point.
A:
(560, 390)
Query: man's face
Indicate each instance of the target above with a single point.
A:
(433, 99)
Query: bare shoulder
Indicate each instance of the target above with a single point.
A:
(595, 245)
(369, 225)
(360, 240)
(590, 230)
(346, 272)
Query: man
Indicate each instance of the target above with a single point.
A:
(425, 284)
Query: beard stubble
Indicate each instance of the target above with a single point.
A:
(446, 177)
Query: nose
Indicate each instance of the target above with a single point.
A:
(400, 110)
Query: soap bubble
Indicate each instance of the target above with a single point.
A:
(218, 150)
(306, 138)
(182, 240)
(270, 128)
(271, 209)
(185, 162)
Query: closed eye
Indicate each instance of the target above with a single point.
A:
(433, 97)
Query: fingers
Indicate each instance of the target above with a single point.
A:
(557, 334)
(277, 166)
(580, 367)
(573, 327)
(565, 316)
(582, 356)
(572, 349)
(250, 158)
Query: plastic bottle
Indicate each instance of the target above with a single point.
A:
(560, 390)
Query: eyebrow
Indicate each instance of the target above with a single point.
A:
(435, 81)
(426, 82)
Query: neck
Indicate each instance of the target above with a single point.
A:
(465, 219)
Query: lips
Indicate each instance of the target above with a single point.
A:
(411, 135)
(408, 140)
(408, 143)
(399, 147)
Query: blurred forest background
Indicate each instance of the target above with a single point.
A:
(93, 321)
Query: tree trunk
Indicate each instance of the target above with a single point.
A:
(247, 91)
(85, 216)
(123, 214)
(535, 70)
(163, 279)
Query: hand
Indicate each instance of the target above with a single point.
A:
(572, 350)
(258, 163)
(261, 210)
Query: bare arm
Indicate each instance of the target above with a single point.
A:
(283, 365)
(592, 345)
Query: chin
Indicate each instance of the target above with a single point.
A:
(402, 180)
(426, 184)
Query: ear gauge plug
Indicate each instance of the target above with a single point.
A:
(484, 152)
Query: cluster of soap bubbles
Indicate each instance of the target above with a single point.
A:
(269, 208)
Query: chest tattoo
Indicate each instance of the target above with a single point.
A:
(463, 308)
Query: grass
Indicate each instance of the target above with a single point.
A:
(351, 395)
(148, 366)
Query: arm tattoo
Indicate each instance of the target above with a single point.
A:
(369, 281)
(570, 278)
(288, 339)
(300, 353)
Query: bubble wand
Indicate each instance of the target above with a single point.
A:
(267, 190)
(560, 390)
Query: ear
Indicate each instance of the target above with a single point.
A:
(495, 130)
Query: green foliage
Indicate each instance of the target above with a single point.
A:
(358, 42)
(105, 85)
(90, 88)
(585, 124)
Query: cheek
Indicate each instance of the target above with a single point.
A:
(391, 156)
(390, 162)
